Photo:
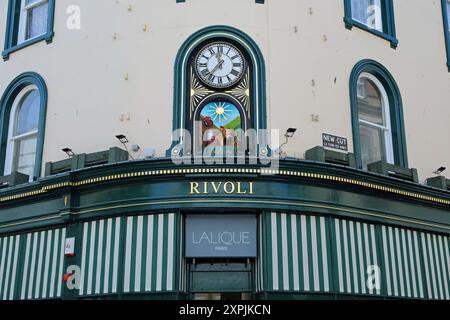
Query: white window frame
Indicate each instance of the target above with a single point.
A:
(360, 90)
(23, 19)
(12, 139)
(389, 152)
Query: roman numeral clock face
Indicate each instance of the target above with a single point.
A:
(220, 65)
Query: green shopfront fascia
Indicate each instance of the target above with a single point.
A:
(153, 230)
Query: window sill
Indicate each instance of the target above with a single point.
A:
(350, 23)
(48, 37)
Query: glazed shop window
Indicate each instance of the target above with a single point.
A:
(29, 21)
(23, 131)
(374, 121)
(375, 16)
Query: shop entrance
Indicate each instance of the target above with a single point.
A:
(220, 279)
(220, 251)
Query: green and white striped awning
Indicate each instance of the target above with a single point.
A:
(298, 255)
(31, 265)
(316, 254)
(355, 249)
(126, 255)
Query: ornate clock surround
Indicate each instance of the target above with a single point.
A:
(201, 93)
(185, 98)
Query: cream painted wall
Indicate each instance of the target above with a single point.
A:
(86, 70)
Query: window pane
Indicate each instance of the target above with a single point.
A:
(373, 144)
(25, 155)
(368, 12)
(37, 20)
(219, 121)
(448, 15)
(370, 104)
(28, 115)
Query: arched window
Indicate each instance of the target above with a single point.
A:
(23, 108)
(374, 121)
(377, 116)
(23, 129)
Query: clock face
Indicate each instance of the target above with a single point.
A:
(220, 65)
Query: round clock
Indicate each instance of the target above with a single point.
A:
(220, 65)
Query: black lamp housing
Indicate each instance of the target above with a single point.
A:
(290, 132)
(122, 138)
(440, 170)
(68, 151)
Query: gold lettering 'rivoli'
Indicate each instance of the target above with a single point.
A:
(221, 187)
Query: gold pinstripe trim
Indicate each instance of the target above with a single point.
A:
(269, 202)
(312, 175)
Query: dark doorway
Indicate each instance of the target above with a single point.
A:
(220, 279)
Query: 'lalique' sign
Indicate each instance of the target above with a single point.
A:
(221, 236)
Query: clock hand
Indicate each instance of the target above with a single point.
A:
(219, 65)
(219, 57)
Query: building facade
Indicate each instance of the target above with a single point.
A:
(333, 116)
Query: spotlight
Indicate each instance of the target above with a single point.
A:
(290, 132)
(69, 152)
(440, 170)
(123, 139)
